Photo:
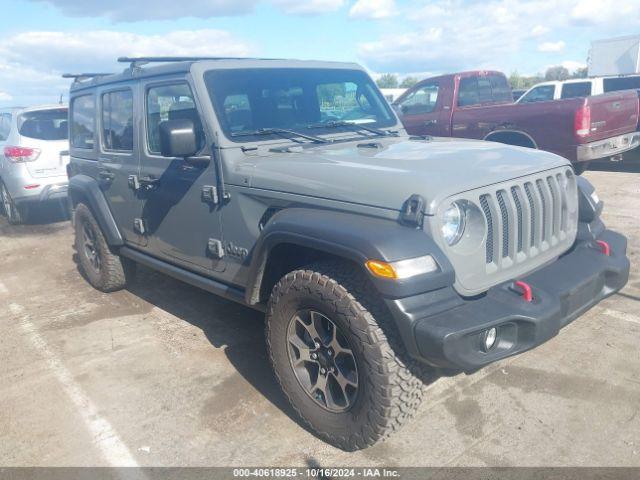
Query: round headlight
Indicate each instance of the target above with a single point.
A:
(453, 223)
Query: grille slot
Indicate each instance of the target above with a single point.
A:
(516, 199)
(505, 223)
(527, 217)
(484, 203)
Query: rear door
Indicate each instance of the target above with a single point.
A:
(179, 219)
(48, 131)
(118, 160)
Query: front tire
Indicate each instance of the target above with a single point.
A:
(580, 167)
(15, 216)
(331, 312)
(104, 270)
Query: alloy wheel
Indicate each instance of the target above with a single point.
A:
(322, 360)
(91, 246)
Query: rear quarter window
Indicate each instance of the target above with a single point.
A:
(44, 124)
(83, 113)
(576, 90)
(621, 83)
(484, 89)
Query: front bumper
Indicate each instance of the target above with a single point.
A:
(444, 330)
(609, 147)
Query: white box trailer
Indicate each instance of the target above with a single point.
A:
(615, 56)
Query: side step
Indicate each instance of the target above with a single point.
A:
(223, 290)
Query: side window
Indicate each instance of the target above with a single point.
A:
(621, 83)
(577, 89)
(542, 93)
(483, 89)
(422, 100)
(117, 121)
(171, 102)
(5, 126)
(83, 110)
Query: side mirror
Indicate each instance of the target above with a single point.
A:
(178, 138)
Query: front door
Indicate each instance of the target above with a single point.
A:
(118, 160)
(180, 219)
(419, 113)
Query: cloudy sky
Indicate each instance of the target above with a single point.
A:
(41, 39)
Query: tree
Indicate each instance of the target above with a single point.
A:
(519, 82)
(556, 73)
(408, 82)
(387, 80)
(580, 73)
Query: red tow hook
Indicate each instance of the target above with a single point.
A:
(605, 248)
(525, 290)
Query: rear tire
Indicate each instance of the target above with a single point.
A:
(104, 270)
(15, 215)
(388, 389)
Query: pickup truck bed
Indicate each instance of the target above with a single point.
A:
(479, 105)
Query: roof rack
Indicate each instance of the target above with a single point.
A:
(78, 77)
(139, 61)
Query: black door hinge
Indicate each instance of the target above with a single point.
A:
(139, 226)
(210, 194)
(134, 182)
(215, 248)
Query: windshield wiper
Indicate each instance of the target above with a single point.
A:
(283, 132)
(353, 126)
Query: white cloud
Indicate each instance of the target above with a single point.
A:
(593, 12)
(539, 30)
(32, 62)
(5, 97)
(373, 9)
(552, 46)
(573, 65)
(133, 10)
(308, 7)
(136, 10)
(493, 33)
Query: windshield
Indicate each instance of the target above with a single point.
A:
(44, 124)
(254, 100)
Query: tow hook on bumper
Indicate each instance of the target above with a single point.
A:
(517, 316)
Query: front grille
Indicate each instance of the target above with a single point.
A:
(531, 220)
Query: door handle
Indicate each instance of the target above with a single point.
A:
(106, 175)
(428, 123)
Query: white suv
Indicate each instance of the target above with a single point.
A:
(34, 153)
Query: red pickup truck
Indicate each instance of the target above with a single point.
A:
(480, 105)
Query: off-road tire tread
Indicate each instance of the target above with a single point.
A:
(397, 389)
(115, 271)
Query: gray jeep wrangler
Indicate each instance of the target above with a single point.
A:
(291, 187)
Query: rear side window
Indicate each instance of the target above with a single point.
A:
(5, 126)
(171, 102)
(622, 83)
(83, 111)
(44, 124)
(575, 90)
(542, 93)
(117, 120)
(422, 100)
(484, 89)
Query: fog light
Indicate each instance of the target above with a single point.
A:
(490, 337)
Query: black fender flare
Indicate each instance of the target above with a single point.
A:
(354, 237)
(84, 187)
